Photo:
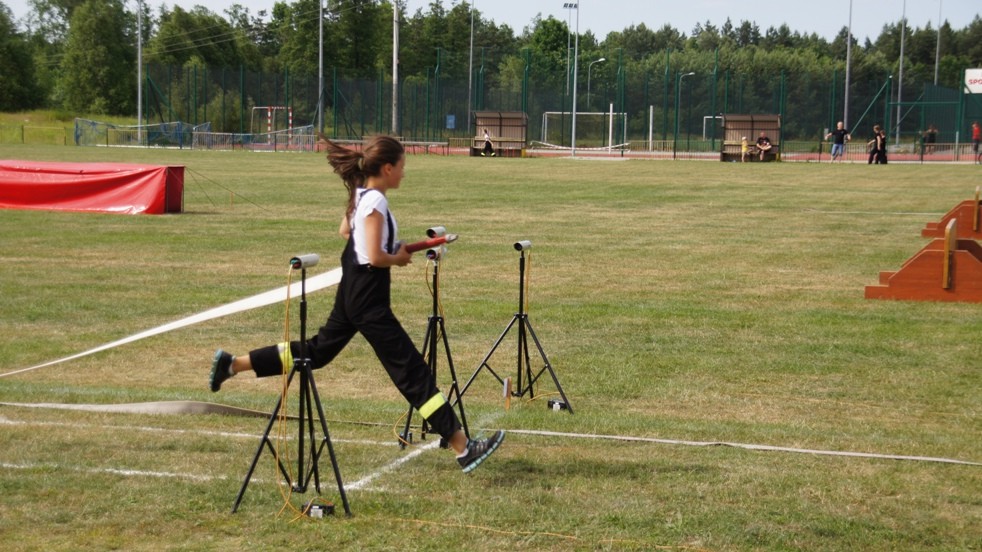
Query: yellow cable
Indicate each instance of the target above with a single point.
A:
(282, 448)
(395, 429)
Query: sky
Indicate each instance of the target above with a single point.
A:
(824, 17)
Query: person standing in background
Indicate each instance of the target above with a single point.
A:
(976, 136)
(877, 147)
(839, 138)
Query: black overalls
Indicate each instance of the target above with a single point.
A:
(363, 304)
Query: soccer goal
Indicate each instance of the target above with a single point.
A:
(271, 118)
(593, 129)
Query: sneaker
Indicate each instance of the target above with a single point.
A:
(220, 369)
(478, 451)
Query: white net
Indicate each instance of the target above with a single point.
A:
(593, 129)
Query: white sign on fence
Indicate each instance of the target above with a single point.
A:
(973, 80)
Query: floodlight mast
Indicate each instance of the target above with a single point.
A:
(139, 72)
(395, 68)
(845, 108)
(470, 73)
(576, 71)
(320, 66)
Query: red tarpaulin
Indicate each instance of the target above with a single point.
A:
(92, 187)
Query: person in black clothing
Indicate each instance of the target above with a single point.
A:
(877, 146)
(930, 138)
(763, 145)
(839, 138)
(363, 301)
(488, 145)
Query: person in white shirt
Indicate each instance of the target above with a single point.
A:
(363, 300)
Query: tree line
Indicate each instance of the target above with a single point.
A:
(81, 55)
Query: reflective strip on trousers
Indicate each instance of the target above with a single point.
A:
(286, 356)
(432, 405)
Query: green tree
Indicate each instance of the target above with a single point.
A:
(421, 35)
(636, 41)
(199, 33)
(705, 37)
(47, 30)
(358, 33)
(747, 34)
(98, 70)
(50, 18)
(18, 88)
(255, 39)
(296, 28)
(970, 42)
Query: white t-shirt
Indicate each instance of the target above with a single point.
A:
(369, 201)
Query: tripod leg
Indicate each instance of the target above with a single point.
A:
(484, 363)
(454, 386)
(306, 410)
(523, 356)
(330, 448)
(264, 442)
(548, 366)
(428, 347)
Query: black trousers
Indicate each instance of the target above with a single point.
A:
(363, 304)
(877, 156)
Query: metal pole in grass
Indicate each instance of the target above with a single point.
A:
(845, 108)
(320, 63)
(900, 79)
(470, 74)
(678, 97)
(576, 71)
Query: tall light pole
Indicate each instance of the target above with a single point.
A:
(845, 107)
(139, 73)
(937, 49)
(470, 75)
(569, 6)
(576, 72)
(320, 64)
(900, 81)
(588, 69)
(678, 101)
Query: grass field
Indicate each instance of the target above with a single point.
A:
(679, 303)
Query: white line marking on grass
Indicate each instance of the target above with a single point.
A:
(113, 471)
(744, 446)
(362, 484)
(315, 283)
(201, 432)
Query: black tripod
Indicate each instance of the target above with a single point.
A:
(525, 376)
(306, 451)
(435, 331)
